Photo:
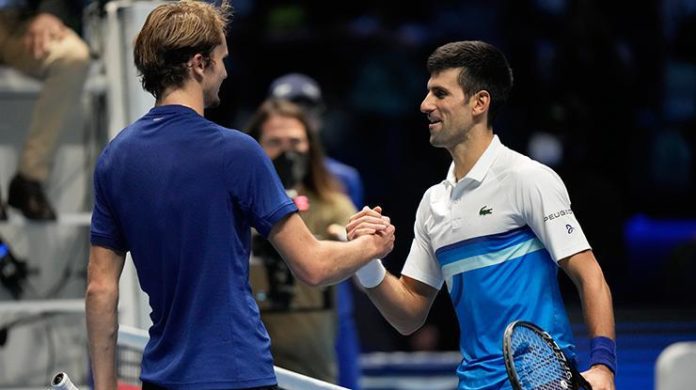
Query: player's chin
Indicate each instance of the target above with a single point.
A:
(436, 141)
(212, 102)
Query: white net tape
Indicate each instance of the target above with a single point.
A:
(131, 343)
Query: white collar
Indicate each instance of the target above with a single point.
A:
(479, 170)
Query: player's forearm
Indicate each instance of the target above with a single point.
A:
(320, 263)
(599, 318)
(403, 309)
(597, 307)
(587, 275)
(102, 327)
(329, 262)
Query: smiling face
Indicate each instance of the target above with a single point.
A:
(448, 109)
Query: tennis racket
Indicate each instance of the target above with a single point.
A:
(535, 362)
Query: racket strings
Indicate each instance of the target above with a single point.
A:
(536, 363)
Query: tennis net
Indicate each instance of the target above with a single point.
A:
(131, 343)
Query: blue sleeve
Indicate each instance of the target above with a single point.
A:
(254, 183)
(105, 230)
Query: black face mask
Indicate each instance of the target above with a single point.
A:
(291, 168)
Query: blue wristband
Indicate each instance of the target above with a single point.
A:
(603, 351)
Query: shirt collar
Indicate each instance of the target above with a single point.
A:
(483, 164)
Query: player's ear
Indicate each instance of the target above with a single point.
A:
(196, 64)
(481, 102)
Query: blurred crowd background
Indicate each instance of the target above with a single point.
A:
(605, 94)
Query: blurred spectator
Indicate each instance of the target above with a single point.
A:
(306, 93)
(39, 39)
(301, 320)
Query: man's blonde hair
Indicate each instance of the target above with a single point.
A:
(173, 33)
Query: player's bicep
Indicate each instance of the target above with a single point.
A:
(292, 239)
(581, 267)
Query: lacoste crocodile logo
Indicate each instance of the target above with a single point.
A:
(485, 211)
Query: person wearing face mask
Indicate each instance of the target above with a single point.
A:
(301, 320)
(306, 92)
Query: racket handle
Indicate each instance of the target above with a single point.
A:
(579, 382)
(62, 382)
(582, 383)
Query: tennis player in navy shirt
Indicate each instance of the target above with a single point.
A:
(181, 194)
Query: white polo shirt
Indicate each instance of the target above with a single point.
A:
(494, 237)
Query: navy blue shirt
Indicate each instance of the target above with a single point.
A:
(181, 194)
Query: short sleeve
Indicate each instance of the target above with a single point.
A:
(421, 263)
(105, 230)
(543, 202)
(254, 184)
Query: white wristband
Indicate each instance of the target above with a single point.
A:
(371, 274)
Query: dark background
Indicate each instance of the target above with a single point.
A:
(612, 82)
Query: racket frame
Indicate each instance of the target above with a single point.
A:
(574, 379)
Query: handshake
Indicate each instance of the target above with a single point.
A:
(371, 222)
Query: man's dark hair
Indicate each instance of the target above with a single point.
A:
(483, 67)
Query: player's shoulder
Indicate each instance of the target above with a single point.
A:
(513, 166)
(115, 145)
(234, 140)
(230, 133)
(434, 194)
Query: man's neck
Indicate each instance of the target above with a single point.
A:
(188, 95)
(467, 153)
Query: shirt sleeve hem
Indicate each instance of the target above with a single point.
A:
(106, 242)
(571, 250)
(265, 227)
(436, 284)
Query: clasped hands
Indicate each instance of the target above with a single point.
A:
(371, 222)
